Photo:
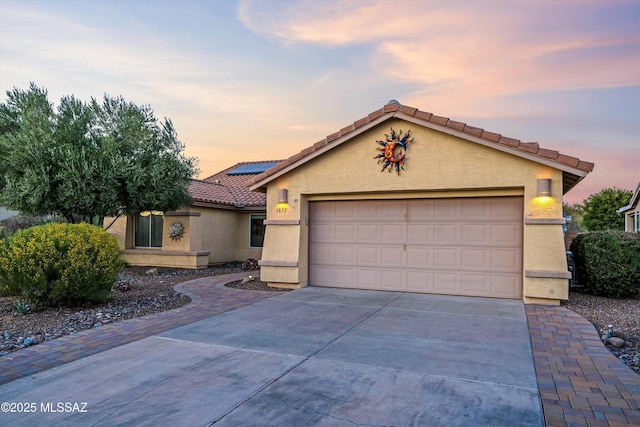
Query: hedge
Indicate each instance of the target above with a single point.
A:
(608, 262)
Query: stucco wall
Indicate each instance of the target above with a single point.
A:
(211, 236)
(437, 165)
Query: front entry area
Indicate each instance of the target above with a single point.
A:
(456, 246)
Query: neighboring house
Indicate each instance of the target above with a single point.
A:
(632, 212)
(223, 223)
(459, 210)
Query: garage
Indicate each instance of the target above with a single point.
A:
(405, 200)
(456, 246)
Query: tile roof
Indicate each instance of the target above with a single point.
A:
(574, 169)
(228, 190)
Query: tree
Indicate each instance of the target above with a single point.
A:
(575, 212)
(86, 161)
(600, 210)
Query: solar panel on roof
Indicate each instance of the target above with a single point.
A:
(252, 168)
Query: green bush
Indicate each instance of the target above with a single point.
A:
(608, 262)
(10, 226)
(60, 264)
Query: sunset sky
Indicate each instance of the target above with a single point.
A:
(261, 80)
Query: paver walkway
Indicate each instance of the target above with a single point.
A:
(208, 296)
(581, 383)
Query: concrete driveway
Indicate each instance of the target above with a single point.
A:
(315, 356)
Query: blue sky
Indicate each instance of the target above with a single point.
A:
(261, 80)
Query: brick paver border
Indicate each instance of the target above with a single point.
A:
(581, 383)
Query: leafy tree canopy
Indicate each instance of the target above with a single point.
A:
(600, 210)
(575, 212)
(85, 161)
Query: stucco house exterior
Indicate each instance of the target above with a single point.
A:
(632, 213)
(225, 222)
(405, 200)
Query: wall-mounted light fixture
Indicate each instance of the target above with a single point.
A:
(544, 187)
(283, 196)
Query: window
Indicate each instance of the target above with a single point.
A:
(637, 221)
(148, 229)
(256, 230)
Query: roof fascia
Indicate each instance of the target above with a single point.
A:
(489, 144)
(633, 202)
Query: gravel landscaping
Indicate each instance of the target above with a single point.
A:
(152, 292)
(623, 314)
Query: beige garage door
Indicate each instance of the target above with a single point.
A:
(470, 246)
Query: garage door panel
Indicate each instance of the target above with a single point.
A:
(394, 233)
(475, 234)
(368, 255)
(344, 255)
(419, 257)
(474, 284)
(475, 209)
(446, 283)
(344, 233)
(346, 211)
(506, 259)
(393, 210)
(369, 233)
(322, 255)
(393, 279)
(445, 258)
(368, 210)
(446, 209)
(393, 256)
(474, 259)
(419, 233)
(368, 278)
(446, 233)
(445, 246)
(420, 281)
(506, 208)
(506, 234)
(345, 276)
(420, 210)
(322, 233)
(505, 285)
(322, 276)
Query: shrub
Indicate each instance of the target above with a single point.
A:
(60, 264)
(10, 226)
(608, 262)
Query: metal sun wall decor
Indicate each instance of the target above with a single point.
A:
(393, 150)
(176, 231)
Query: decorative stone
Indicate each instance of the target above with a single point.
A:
(151, 271)
(616, 342)
(28, 341)
(122, 286)
(618, 333)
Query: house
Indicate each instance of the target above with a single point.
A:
(223, 223)
(632, 212)
(405, 200)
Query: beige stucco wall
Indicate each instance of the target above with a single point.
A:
(211, 236)
(437, 165)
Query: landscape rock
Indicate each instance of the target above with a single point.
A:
(616, 342)
(618, 333)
